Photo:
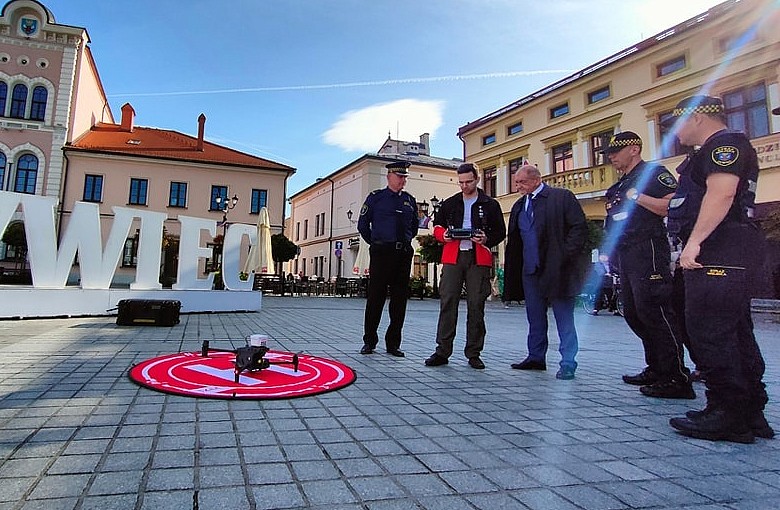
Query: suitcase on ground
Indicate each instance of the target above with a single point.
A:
(148, 312)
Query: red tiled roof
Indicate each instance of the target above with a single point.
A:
(165, 144)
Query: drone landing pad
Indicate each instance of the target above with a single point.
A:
(190, 374)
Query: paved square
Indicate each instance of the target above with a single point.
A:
(76, 433)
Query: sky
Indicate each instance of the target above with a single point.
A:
(315, 84)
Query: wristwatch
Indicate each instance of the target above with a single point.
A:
(632, 194)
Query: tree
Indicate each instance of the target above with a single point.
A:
(15, 236)
(282, 249)
(430, 249)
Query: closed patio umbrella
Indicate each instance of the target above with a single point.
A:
(362, 260)
(260, 259)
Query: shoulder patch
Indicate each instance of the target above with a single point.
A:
(667, 180)
(725, 155)
(364, 209)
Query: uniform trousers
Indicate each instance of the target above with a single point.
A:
(477, 280)
(389, 269)
(647, 304)
(536, 311)
(718, 320)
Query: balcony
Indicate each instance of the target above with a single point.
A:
(584, 182)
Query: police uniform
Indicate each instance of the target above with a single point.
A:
(717, 296)
(642, 256)
(388, 223)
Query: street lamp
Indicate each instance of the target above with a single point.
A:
(226, 206)
(435, 204)
(349, 216)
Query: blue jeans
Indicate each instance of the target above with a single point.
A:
(536, 311)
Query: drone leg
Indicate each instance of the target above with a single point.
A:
(295, 362)
(204, 350)
(238, 374)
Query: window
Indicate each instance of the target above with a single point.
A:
(26, 174)
(322, 222)
(3, 96)
(221, 192)
(305, 229)
(514, 166)
(259, 200)
(178, 195)
(597, 142)
(563, 157)
(488, 139)
(316, 225)
(670, 66)
(489, 181)
(93, 188)
(746, 110)
(3, 162)
(138, 188)
(670, 145)
(19, 101)
(598, 95)
(297, 230)
(514, 129)
(38, 106)
(559, 111)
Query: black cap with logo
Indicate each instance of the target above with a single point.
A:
(620, 141)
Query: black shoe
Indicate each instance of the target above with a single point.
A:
(398, 353)
(435, 360)
(529, 364)
(717, 425)
(643, 378)
(367, 349)
(757, 422)
(760, 427)
(669, 389)
(477, 363)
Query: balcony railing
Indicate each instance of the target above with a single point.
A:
(596, 179)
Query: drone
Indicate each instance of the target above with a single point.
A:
(249, 357)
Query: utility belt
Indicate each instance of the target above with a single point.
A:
(398, 245)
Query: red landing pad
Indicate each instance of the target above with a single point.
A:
(190, 374)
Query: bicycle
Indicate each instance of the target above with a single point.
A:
(607, 297)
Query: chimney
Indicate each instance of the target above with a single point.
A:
(201, 129)
(425, 140)
(128, 114)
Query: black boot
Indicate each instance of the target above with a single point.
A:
(720, 424)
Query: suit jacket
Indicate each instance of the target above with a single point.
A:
(562, 231)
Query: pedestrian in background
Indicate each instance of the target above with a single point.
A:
(388, 223)
(547, 233)
(636, 206)
(469, 223)
(711, 215)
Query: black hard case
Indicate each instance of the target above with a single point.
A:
(148, 312)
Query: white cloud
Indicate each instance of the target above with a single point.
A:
(365, 129)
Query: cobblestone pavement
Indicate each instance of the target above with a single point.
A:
(76, 433)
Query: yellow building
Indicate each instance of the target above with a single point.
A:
(732, 51)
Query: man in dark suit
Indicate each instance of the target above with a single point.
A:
(547, 232)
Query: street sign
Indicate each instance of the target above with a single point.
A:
(338, 253)
(339, 245)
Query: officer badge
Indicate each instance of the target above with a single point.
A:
(667, 180)
(725, 155)
(363, 210)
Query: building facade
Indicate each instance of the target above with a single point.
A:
(166, 171)
(732, 50)
(324, 215)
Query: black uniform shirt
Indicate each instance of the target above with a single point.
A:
(630, 221)
(724, 152)
(387, 217)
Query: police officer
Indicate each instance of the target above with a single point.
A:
(388, 223)
(711, 214)
(636, 205)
